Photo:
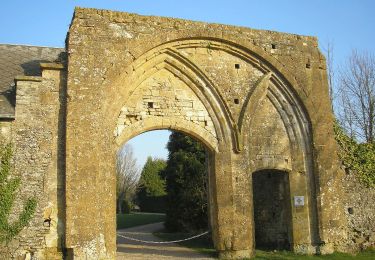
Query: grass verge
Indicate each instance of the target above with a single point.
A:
(138, 219)
(204, 245)
(287, 255)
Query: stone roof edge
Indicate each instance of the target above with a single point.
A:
(51, 65)
(28, 78)
(7, 116)
(108, 13)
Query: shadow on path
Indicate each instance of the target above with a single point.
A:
(127, 249)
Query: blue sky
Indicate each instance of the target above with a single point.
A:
(346, 24)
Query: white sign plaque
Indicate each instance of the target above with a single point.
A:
(299, 201)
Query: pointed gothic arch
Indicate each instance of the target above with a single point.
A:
(273, 86)
(143, 96)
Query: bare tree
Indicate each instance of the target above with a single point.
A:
(127, 175)
(330, 71)
(357, 96)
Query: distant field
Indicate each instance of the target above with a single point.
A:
(138, 219)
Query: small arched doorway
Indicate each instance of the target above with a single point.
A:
(272, 209)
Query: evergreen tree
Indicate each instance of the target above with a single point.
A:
(151, 194)
(186, 184)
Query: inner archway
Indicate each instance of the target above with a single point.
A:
(272, 209)
(186, 188)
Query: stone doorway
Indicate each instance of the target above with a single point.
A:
(272, 209)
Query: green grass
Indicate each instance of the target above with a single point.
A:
(205, 246)
(138, 219)
(286, 255)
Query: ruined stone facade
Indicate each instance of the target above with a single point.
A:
(258, 100)
(359, 209)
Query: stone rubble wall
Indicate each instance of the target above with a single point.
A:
(36, 149)
(164, 95)
(359, 207)
(6, 131)
(270, 144)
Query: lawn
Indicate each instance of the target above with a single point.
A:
(138, 219)
(204, 245)
(286, 255)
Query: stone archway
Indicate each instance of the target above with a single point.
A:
(257, 99)
(280, 138)
(172, 94)
(164, 92)
(234, 96)
(164, 89)
(161, 76)
(206, 186)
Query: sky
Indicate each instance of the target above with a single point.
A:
(345, 24)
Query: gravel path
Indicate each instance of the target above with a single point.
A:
(135, 250)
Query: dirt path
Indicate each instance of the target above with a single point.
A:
(135, 250)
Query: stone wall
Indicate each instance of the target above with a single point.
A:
(6, 131)
(164, 95)
(36, 150)
(359, 210)
(271, 147)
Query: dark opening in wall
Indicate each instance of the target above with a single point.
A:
(308, 65)
(272, 209)
(150, 104)
(236, 101)
(237, 66)
(273, 46)
(350, 211)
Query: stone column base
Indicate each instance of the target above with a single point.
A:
(304, 249)
(236, 254)
(325, 249)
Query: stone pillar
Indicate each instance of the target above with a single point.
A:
(55, 72)
(301, 218)
(234, 239)
(90, 179)
(36, 150)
